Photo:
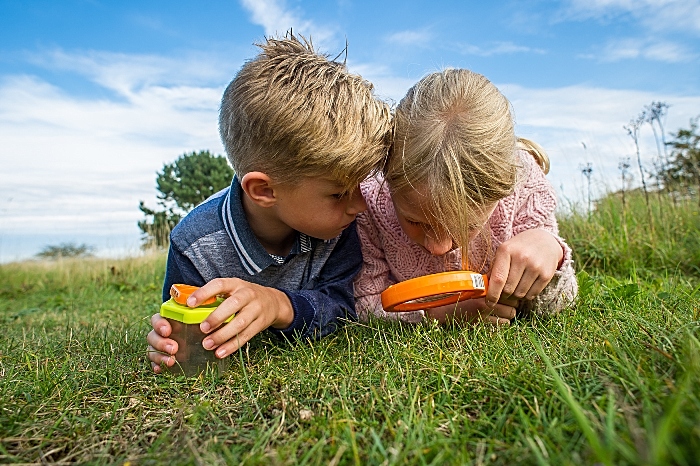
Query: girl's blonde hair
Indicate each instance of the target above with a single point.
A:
(536, 151)
(454, 138)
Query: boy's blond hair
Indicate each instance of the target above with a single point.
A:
(454, 138)
(291, 113)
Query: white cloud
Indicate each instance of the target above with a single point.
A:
(561, 119)
(277, 19)
(416, 38)
(658, 15)
(667, 52)
(388, 86)
(646, 48)
(82, 165)
(126, 74)
(497, 48)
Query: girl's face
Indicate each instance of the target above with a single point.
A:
(412, 210)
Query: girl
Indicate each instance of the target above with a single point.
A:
(460, 191)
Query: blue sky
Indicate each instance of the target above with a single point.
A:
(95, 96)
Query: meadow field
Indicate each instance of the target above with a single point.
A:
(614, 380)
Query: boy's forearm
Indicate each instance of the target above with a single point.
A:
(319, 312)
(329, 300)
(285, 311)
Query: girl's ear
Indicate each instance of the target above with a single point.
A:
(258, 187)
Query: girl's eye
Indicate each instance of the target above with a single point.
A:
(411, 222)
(338, 196)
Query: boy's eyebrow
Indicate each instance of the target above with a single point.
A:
(339, 187)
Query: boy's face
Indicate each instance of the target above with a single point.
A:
(411, 209)
(316, 207)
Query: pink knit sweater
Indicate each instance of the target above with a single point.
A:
(390, 256)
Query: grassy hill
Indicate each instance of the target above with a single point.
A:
(612, 381)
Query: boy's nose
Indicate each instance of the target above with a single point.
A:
(437, 247)
(357, 203)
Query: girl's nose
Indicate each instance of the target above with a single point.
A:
(437, 247)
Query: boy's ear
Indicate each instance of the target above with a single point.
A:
(258, 187)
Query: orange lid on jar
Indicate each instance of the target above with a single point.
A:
(180, 292)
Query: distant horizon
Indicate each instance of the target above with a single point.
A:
(96, 96)
(18, 248)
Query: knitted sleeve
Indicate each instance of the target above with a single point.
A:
(537, 201)
(375, 275)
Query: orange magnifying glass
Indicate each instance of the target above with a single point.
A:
(434, 290)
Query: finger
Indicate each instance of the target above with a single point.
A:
(544, 276)
(495, 321)
(509, 301)
(499, 311)
(235, 343)
(537, 288)
(160, 344)
(526, 280)
(161, 325)
(155, 367)
(515, 276)
(223, 286)
(230, 306)
(498, 275)
(503, 311)
(502, 322)
(235, 334)
(165, 345)
(159, 358)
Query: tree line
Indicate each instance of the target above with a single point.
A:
(182, 185)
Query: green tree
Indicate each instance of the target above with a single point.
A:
(683, 169)
(182, 185)
(64, 250)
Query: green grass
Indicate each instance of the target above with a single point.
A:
(636, 240)
(612, 381)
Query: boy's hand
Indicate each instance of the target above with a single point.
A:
(523, 266)
(160, 347)
(475, 311)
(256, 308)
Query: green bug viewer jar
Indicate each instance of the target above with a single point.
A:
(191, 357)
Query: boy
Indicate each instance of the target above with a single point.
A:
(301, 133)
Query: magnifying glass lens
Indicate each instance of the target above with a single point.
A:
(434, 290)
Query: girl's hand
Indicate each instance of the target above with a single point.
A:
(523, 266)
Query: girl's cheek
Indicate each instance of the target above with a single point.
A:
(416, 234)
